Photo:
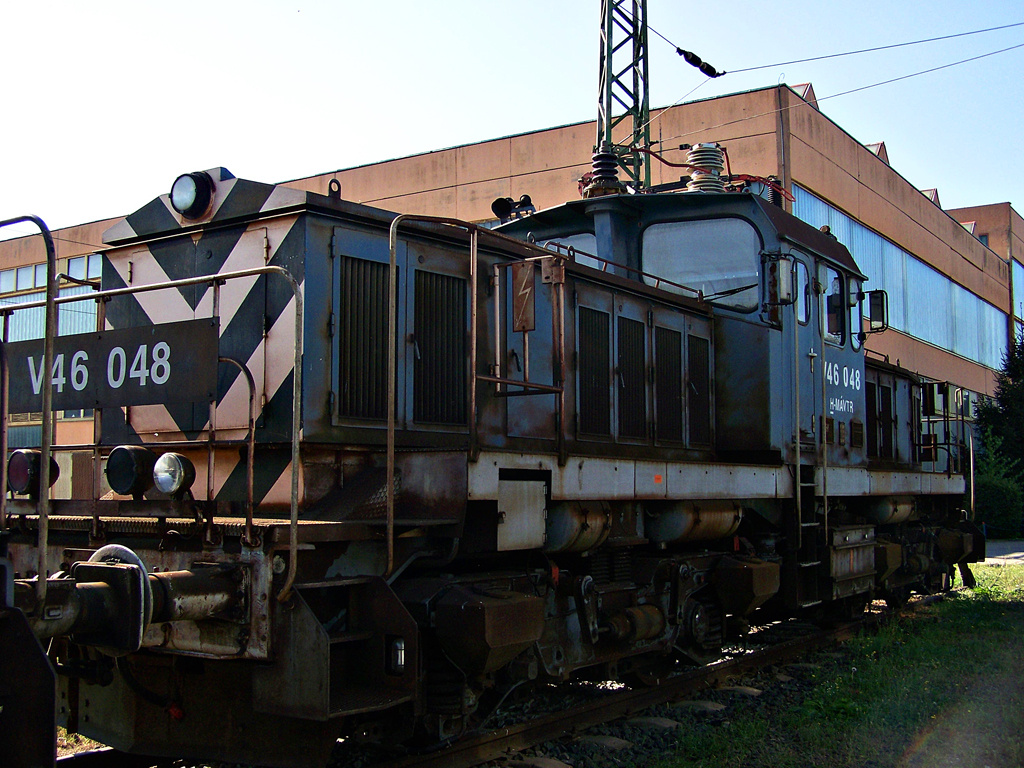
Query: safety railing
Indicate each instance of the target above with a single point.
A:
(46, 448)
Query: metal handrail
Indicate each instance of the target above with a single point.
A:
(53, 301)
(43, 504)
(474, 230)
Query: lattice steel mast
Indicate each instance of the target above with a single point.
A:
(624, 84)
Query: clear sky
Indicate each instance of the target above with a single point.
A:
(106, 102)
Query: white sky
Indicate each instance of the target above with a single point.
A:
(106, 102)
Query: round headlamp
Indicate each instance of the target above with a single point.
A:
(130, 470)
(191, 194)
(23, 471)
(173, 474)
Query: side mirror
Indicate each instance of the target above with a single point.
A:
(781, 280)
(878, 311)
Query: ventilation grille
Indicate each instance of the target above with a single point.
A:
(871, 396)
(439, 359)
(632, 379)
(594, 402)
(363, 342)
(668, 383)
(856, 434)
(699, 391)
(886, 422)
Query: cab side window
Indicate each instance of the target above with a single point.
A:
(835, 307)
(803, 294)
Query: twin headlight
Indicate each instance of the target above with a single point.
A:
(132, 470)
(24, 471)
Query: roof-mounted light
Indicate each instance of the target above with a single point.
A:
(191, 194)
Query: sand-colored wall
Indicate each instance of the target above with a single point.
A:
(68, 242)
(771, 131)
(463, 181)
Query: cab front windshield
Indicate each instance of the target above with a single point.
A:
(718, 257)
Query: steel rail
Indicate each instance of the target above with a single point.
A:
(475, 750)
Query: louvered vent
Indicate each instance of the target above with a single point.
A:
(632, 379)
(871, 396)
(440, 355)
(363, 344)
(594, 361)
(699, 390)
(886, 421)
(856, 434)
(668, 383)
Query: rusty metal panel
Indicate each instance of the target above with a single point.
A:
(363, 339)
(631, 364)
(651, 479)
(595, 478)
(484, 632)
(668, 384)
(440, 354)
(594, 365)
(698, 369)
(172, 362)
(28, 730)
(524, 316)
(521, 514)
(852, 536)
(853, 555)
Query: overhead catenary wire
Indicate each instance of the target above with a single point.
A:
(876, 48)
(850, 53)
(836, 95)
(680, 51)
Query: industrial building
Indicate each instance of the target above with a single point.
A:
(955, 278)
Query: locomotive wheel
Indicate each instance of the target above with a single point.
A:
(648, 673)
(844, 609)
(896, 597)
(703, 631)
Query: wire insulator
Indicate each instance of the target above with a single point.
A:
(708, 161)
(606, 165)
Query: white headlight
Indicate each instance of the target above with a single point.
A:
(173, 474)
(191, 194)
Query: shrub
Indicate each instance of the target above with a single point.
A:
(997, 503)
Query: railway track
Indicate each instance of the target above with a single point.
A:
(611, 705)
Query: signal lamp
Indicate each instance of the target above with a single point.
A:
(191, 194)
(23, 471)
(130, 470)
(174, 474)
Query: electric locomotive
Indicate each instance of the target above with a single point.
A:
(358, 473)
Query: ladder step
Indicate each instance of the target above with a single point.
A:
(810, 563)
(809, 603)
(810, 525)
(350, 637)
(351, 581)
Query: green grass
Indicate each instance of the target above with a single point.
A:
(946, 684)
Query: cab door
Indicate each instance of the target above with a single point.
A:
(806, 357)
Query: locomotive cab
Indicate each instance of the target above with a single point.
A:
(786, 299)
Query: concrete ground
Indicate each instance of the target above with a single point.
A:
(1004, 552)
